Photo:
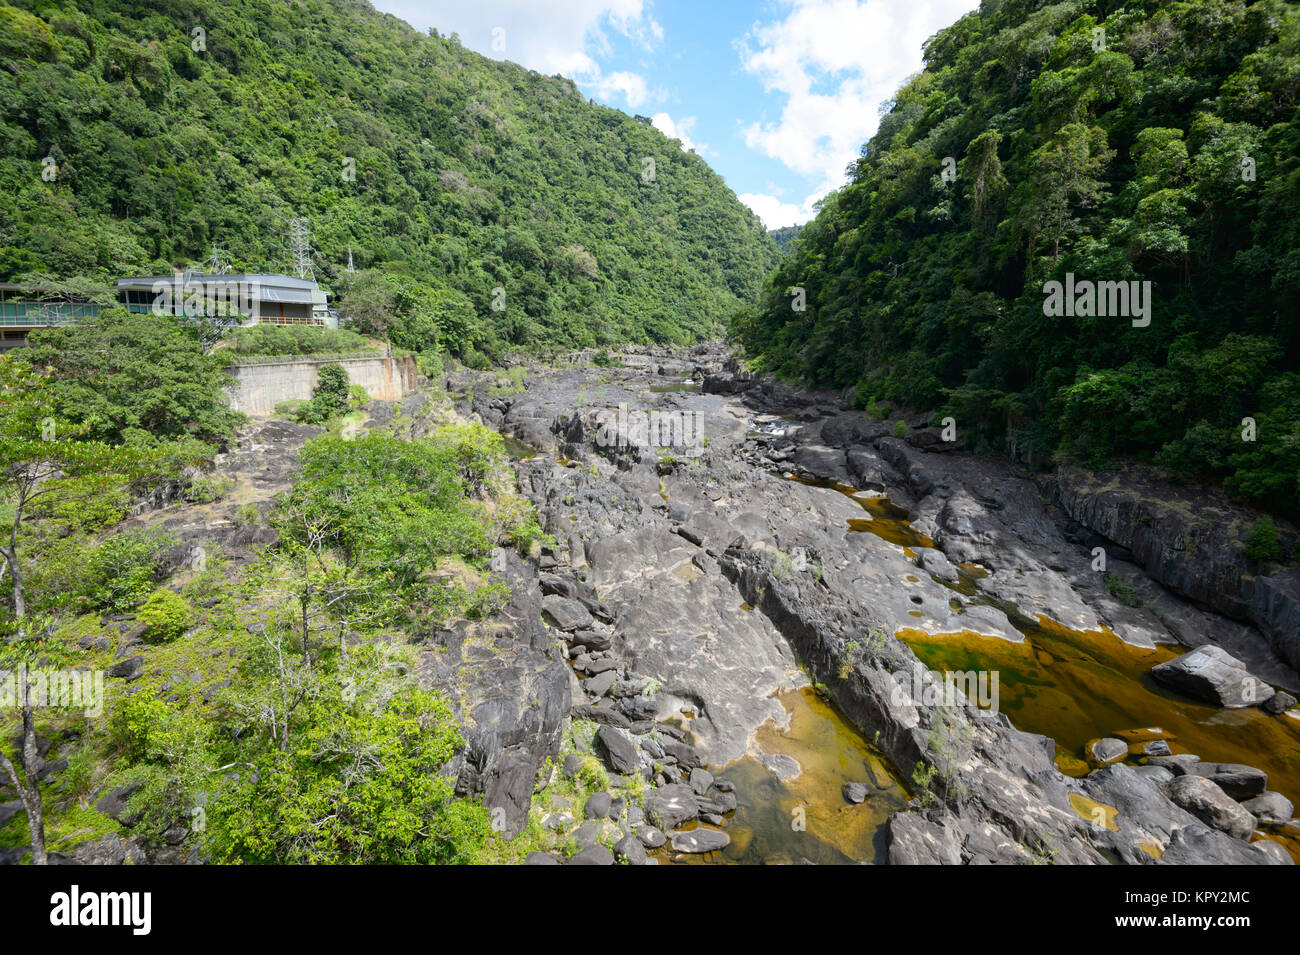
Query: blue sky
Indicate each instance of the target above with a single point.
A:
(778, 95)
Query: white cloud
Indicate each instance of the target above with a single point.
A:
(776, 213)
(835, 62)
(678, 129)
(551, 36)
(631, 85)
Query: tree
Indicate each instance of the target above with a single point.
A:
(40, 467)
(141, 379)
(1062, 174)
(1154, 163)
(29, 789)
(361, 787)
(459, 188)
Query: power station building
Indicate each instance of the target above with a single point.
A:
(246, 297)
(242, 298)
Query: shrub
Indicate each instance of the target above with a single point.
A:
(329, 398)
(1121, 591)
(1262, 542)
(248, 515)
(473, 358)
(113, 576)
(133, 379)
(291, 408)
(166, 616)
(900, 429)
(430, 364)
(294, 340)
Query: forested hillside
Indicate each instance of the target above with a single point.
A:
(784, 236)
(1105, 140)
(136, 135)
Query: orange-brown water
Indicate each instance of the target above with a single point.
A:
(830, 752)
(1075, 686)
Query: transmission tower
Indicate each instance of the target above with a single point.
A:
(219, 264)
(299, 235)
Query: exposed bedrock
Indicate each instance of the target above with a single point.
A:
(723, 582)
(1191, 540)
(509, 688)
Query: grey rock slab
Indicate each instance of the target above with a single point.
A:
(592, 855)
(1269, 807)
(565, 613)
(619, 751)
(1213, 675)
(1207, 802)
(700, 840)
(667, 807)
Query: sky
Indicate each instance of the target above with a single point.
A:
(777, 95)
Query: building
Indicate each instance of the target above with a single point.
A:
(252, 298)
(243, 297)
(24, 307)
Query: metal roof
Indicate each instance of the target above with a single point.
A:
(268, 288)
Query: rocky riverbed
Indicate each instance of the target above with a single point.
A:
(738, 648)
(703, 585)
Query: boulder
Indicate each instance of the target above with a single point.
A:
(1107, 750)
(1269, 807)
(1238, 781)
(1279, 703)
(630, 850)
(113, 805)
(592, 855)
(128, 669)
(670, 806)
(600, 684)
(855, 792)
(565, 613)
(620, 753)
(111, 850)
(1180, 764)
(650, 837)
(700, 781)
(593, 639)
(597, 805)
(10, 809)
(1213, 675)
(684, 753)
(1210, 804)
(700, 840)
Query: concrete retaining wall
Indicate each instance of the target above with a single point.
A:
(261, 387)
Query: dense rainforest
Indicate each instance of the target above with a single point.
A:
(784, 236)
(485, 206)
(1089, 141)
